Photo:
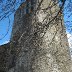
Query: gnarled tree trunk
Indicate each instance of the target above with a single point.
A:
(41, 41)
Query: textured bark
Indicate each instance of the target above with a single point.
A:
(39, 42)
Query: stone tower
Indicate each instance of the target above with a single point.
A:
(38, 41)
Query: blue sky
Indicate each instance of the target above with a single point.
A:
(5, 25)
(68, 16)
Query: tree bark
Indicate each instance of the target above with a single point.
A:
(42, 42)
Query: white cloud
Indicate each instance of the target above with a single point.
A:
(5, 42)
(70, 42)
(69, 39)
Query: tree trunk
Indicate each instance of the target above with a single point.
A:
(41, 41)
